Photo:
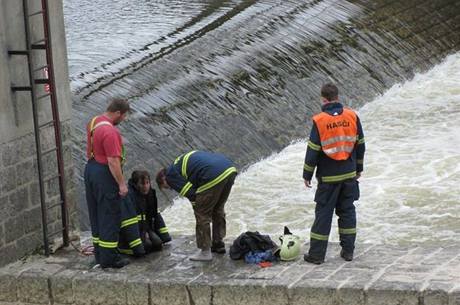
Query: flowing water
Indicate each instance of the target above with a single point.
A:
(105, 36)
(242, 77)
(410, 187)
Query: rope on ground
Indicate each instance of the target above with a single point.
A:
(85, 251)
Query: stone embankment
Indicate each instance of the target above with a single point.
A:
(379, 274)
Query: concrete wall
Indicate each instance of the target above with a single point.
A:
(378, 275)
(20, 213)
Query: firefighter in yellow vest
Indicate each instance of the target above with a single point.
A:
(336, 149)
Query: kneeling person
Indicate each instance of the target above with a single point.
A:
(143, 229)
(152, 227)
(206, 179)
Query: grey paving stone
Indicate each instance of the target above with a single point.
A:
(237, 294)
(269, 273)
(404, 277)
(33, 282)
(433, 296)
(137, 289)
(168, 294)
(61, 286)
(8, 287)
(395, 296)
(444, 255)
(100, 288)
(353, 277)
(454, 296)
(445, 275)
(183, 272)
(33, 288)
(275, 294)
(350, 296)
(426, 251)
(168, 277)
(292, 274)
(408, 268)
(200, 294)
(313, 292)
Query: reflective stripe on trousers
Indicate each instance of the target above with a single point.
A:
(330, 197)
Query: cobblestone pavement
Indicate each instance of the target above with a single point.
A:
(379, 274)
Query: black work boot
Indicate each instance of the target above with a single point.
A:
(218, 247)
(119, 263)
(313, 260)
(346, 255)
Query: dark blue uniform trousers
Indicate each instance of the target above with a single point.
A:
(104, 207)
(339, 196)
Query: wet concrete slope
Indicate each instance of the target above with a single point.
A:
(246, 83)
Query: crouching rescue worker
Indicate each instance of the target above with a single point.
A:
(104, 183)
(336, 149)
(142, 213)
(206, 179)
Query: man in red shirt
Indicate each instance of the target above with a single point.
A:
(104, 182)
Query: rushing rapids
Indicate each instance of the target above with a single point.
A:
(242, 77)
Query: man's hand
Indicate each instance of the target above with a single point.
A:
(123, 190)
(307, 183)
(115, 170)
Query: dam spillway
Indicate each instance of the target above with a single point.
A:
(246, 82)
(242, 67)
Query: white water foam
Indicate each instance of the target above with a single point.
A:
(410, 186)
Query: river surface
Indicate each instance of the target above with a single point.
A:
(242, 77)
(410, 186)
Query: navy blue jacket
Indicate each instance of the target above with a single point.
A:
(148, 217)
(333, 170)
(198, 171)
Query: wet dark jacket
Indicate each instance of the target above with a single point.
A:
(250, 241)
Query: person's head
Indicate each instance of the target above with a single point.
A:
(117, 110)
(329, 93)
(161, 179)
(141, 180)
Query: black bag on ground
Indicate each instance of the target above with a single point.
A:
(250, 241)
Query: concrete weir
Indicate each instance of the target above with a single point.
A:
(379, 274)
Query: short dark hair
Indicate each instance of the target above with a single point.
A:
(118, 104)
(160, 176)
(330, 92)
(139, 176)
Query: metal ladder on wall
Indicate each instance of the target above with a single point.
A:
(44, 45)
